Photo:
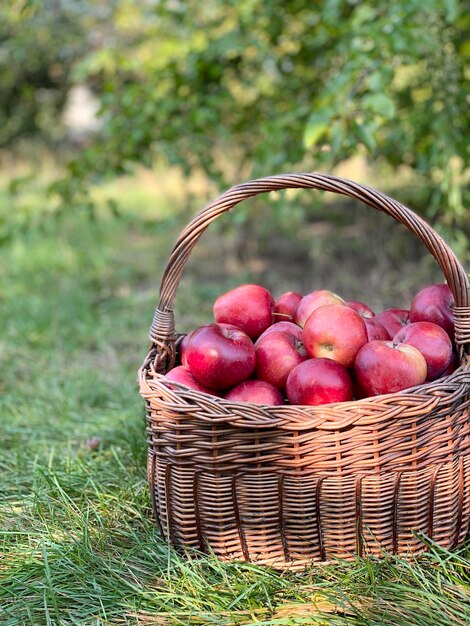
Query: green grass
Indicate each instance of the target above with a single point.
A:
(77, 540)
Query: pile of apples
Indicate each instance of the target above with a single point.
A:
(316, 349)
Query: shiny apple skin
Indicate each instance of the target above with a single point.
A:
(434, 304)
(375, 330)
(185, 343)
(287, 327)
(383, 367)
(335, 331)
(286, 306)
(432, 341)
(257, 392)
(183, 348)
(393, 320)
(361, 308)
(453, 365)
(249, 307)
(276, 356)
(358, 391)
(181, 374)
(313, 301)
(319, 381)
(220, 356)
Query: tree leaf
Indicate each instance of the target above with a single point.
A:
(379, 79)
(317, 125)
(366, 136)
(452, 9)
(380, 103)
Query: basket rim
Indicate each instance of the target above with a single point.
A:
(287, 416)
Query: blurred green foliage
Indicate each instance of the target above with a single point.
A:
(40, 41)
(241, 89)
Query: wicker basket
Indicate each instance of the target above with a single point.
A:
(285, 486)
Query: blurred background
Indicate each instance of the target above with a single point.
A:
(120, 119)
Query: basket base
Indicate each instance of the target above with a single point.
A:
(291, 521)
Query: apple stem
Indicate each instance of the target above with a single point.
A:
(284, 315)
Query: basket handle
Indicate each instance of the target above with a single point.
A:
(162, 331)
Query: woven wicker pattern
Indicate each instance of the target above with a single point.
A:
(291, 484)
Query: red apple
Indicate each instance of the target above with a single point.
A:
(185, 342)
(276, 356)
(313, 301)
(286, 306)
(432, 341)
(319, 381)
(288, 327)
(361, 308)
(358, 391)
(335, 331)
(434, 304)
(220, 356)
(256, 391)
(374, 329)
(453, 365)
(182, 375)
(386, 367)
(183, 348)
(250, 307)
(393, 320)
